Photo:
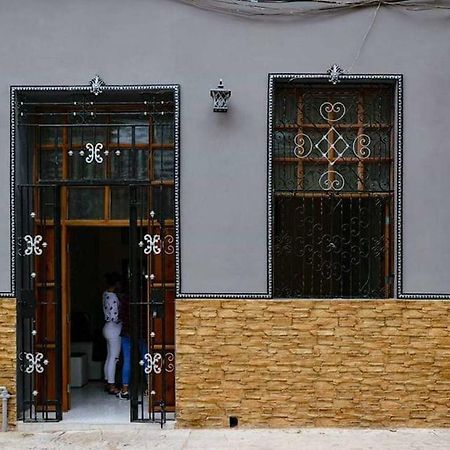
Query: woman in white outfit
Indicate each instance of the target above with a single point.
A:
(111, 330)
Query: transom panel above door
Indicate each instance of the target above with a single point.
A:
(113, 139)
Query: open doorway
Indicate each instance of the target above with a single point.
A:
(97, 170)
(93, 253)
(63, 281)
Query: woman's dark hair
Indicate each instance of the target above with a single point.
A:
(112, 279)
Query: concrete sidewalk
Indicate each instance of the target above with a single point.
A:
(144, 437)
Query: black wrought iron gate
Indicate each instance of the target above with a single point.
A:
(99, 148)
(39, 303)
(152, 312)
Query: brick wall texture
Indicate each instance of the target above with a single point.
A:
(275, 363)
(8, 352)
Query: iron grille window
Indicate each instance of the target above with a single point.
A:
(99, 145)
(333, 190)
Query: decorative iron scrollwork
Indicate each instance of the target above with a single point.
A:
(170, 359)
(34, 245)
(153, 363)
(169, 248)
(94, 153)
(154, 244)
(34, 362)
(332, 145)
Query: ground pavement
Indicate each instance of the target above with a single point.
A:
(145, 437)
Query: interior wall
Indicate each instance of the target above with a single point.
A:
(94, 252)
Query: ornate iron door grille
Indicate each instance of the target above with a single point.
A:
(333, 190)
(152, 258)
(103, 156)
(39, 304)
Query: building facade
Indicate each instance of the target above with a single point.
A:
(285, 261)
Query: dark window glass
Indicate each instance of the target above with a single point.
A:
(130, 165)
(86, 203)
(163, 202)
(163, 129)
(50, 165)
(163, 164)
(120, 205)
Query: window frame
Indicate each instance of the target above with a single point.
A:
(397, 81)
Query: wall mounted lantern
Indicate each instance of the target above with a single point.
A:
(220, 97)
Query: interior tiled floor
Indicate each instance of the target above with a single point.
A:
(90, 404)
(91, 407)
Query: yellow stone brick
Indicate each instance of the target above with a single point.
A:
(311, 363)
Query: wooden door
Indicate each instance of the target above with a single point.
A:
(39, 301)
(152, 258)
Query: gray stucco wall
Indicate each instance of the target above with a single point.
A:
(223, 157)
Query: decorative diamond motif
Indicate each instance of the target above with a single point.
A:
(332, 146)
(332, 143)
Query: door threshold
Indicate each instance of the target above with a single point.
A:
(43, 427)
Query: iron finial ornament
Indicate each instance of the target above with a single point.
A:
(220, 96)
(335, 73)
(97, 85)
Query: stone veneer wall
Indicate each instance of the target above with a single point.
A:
(8, 353)
(276, 363)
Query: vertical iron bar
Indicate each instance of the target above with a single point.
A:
(134, 306)
(58, 309)
(151, 311)
(303, 227)
(143, 296)
(162, 231)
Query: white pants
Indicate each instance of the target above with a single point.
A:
(111, 332)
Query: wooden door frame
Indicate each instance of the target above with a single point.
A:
(66, 226)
